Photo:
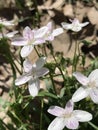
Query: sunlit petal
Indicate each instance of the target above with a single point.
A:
(56, 110)
(34, 86)
(26, 50)
(57, 32)
(23, 79)
(57, 124)
(80, 94)
(19, 41)
(81, 78)
(94, 95)
(82, 116)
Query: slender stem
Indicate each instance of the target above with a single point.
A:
(51, 77)
(41, 115)
(68, 90)
(37, 51)
(74, 58)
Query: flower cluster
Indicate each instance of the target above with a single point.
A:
(35, 37)
(32, 72)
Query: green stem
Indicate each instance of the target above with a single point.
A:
(74, 58)
(51, 77)
(68, 90)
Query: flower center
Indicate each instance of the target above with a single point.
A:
(67, 115)
(92, 84)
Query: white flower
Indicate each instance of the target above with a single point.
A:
(29, 39)
(9, 35)
(32, 74)
(89, 88)
(35, 37)
(67, 117)
(4, 22)
(75, 26)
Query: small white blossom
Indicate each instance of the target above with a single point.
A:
(75, 26)
(32, 74)
(29, 39)
(67, 117)
(89, 88)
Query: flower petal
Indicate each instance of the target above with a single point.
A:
(40, 33)
(56, 110)
(39, 41)
(27, 33)
(19, 41)
(80, 94)
(71, 123)
(39, 63)
(94, 77)
(76, 28)
(26, 50)
(41, 72)
(81, 78)
(23, 79)
(66, 25)
(34, 86)
(94, 95)
(82, 116)
(57, 32)
(69, 106)
(57, 124)
(11, 34)
(50, 28)
(84, 24)
(27, 65)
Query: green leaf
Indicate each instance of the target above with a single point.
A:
(47, 94)
(86, 42)
(93, 125)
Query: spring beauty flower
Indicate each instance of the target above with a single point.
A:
(31, 75)
(35, 37)
(67, 117)
(29, 39)
(89, 86)
(75, 26)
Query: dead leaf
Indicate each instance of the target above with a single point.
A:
(93, 16)
(68, 10)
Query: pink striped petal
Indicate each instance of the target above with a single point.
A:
(26, 50)
(80, 94)
(56, 110)
(57, 124)
(69, 106)
(71, 123)
(81, 78)
(94, 95)
(27, 33)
